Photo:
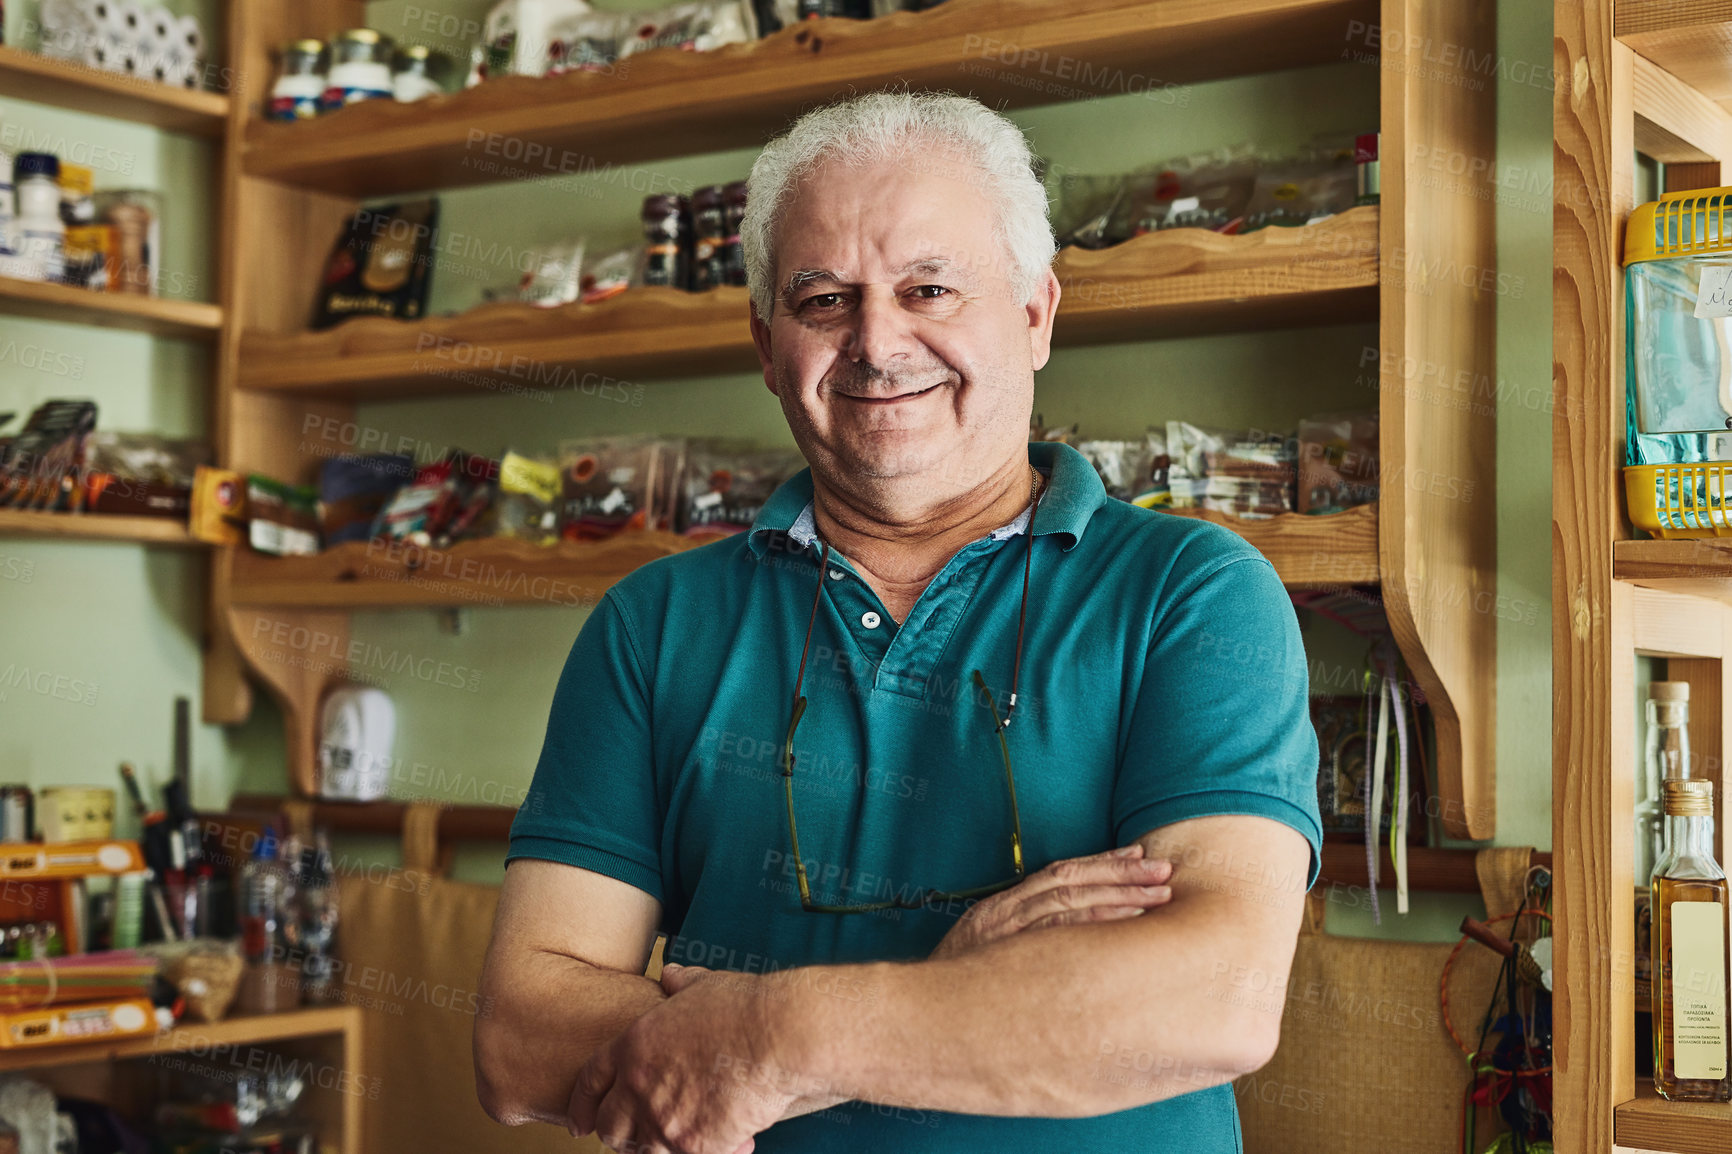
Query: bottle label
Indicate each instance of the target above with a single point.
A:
(1698, 965)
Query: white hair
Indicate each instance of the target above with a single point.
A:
(909, 128)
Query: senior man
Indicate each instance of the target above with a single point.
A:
(913, 759)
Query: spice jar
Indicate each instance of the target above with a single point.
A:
(664, 232)
(711, 234)
(419, 72)
(300, 81)
(733, 211)
(41, 232)
(360, 68)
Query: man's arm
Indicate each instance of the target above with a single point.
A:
(563, 977)
(1074, 1021)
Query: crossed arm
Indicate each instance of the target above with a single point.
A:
(1071, 1021)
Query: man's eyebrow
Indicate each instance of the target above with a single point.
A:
(926, 264)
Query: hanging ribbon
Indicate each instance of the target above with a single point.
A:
(1398, 827)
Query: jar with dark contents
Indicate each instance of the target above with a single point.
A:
(710, 234)
(852, 9)
(664, 234)
(733, 211)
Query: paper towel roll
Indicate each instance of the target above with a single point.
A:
(164, 25)
(105, 16)
(191, 37)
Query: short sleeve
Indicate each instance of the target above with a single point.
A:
(593, 800)
(1221, 723)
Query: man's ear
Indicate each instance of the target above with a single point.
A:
(761, 342)
(1042, 308)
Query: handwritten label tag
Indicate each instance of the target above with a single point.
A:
(1714, 297)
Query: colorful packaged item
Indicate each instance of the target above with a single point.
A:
(352, 490)
(694, 27)
(554, 275)
(529, 491)
(447, 501)
(1250, 475)
(219, 501)
(136, 217)
(725, 485)
(586, 42)
(283, 520)
(518, 33)
(616, 484)
(381, 265)
(606, 276)
(1337, 462)
(141, 474)
(1132, 471)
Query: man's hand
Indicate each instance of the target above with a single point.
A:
(695, 1075)
(1103, 887)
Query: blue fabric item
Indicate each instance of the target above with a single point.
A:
(1163, 679)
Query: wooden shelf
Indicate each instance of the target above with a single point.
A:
(161, 316)
(1649, 1122)
(1310, 552)
(1701, 567)
(63, 84)
(97, 527)
(1692, 41)
(492, 572)
(669, 103)
(1306, 551)
(1182, 282)
(242, 1031)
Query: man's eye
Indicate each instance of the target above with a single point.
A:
(822, 301)
(930, 292)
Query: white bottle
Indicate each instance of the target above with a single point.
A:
(42, 234)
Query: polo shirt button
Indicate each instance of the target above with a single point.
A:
(870, 619)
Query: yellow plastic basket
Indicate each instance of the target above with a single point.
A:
(1680, 500)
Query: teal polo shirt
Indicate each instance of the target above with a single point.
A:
(1163, 678)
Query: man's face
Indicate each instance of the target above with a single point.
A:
(895, 344)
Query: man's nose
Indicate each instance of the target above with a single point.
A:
(882, 328)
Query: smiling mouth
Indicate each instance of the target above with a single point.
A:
(899, 397)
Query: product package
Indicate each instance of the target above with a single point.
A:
(1337, 461)
(725, 485)
(1250, 475)
(39, 465)
(554, 275)
(606, 275)
(448, 501)
(381, 264)
(517, 35)
(352, 490)
(135, 215)
(219, 501)
(282, 520)
(1297, 191)
(586, 42)
(611, 485)
(141, 474)
(1133, 471)
(694, 27)
(529, 491)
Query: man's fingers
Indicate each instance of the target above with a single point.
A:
(1091, 914)
(676, 977)
(1064, 898)
(594, 1081)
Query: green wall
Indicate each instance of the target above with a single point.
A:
(93, 609)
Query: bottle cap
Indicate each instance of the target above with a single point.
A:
(36, 164)
(1669, 691)
(1688, 797)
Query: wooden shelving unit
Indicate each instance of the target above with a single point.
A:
(674, 103)
(97, 527)
(1308, 552)
(161, 316)
(27, 76)
(1633, 74)
(1159, 284)
(325, 1042)
(292, 185)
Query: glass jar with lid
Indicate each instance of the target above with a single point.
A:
(300, 84)
(1678, 364)
(360, 68)
(418, 72)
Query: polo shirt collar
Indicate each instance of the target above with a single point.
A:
(1074, 492)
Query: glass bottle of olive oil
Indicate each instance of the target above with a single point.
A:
(1689, 951)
